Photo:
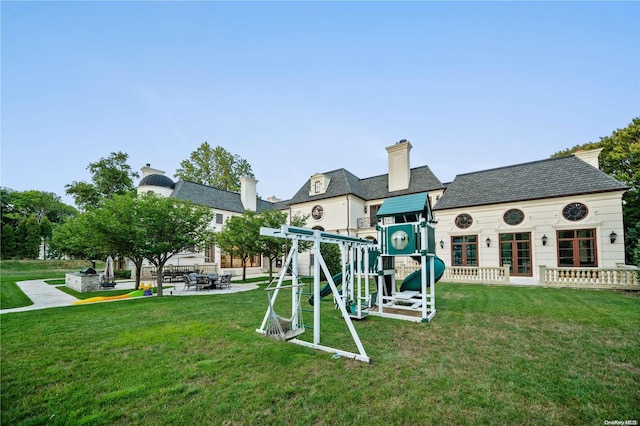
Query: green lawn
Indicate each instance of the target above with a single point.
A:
(492, 355)
(23, 270)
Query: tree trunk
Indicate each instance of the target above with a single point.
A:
(159, 279)
(244, 269)
(271, 269)
(138, 272)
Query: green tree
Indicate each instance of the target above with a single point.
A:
(170, 226)
(116, 224)
(46, 232)
(273, 247)
(8, 242)
(46, 207)
(41, 204)
(215, 167)
(28, 238)
(75, 238)
(240, 237)
(109, 176)
(620, 158)
(332, 257)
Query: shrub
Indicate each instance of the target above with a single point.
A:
(123, 274)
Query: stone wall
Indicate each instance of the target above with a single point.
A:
(82, 283)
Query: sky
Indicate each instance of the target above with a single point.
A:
(298, 88)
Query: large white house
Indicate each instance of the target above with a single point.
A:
(553, 221)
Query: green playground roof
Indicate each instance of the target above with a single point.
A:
(407, 204)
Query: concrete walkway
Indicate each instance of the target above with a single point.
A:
(42, 295)
(45, 295)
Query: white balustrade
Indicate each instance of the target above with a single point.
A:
(613, 278)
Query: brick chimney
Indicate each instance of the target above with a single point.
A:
(399, 165)
(248, 193)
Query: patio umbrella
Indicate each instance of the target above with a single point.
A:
(108, 269)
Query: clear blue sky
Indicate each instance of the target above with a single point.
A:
(297, 88)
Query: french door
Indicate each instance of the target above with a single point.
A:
(515, 251)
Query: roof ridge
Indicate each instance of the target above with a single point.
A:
(425, 166)
(207, 186)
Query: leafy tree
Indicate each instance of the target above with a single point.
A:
(45, 207)
(170, 226)
(5, 202)
(332, 257)
(75, 238)
(147, 227)
(28, 238)
(117, 226)
(8, 241)
(46, 231)
(39, 203)
(109, 176)
(240, 237)
(272, 247)
(215, 167)
(620, 158)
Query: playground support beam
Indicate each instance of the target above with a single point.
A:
(302, 234)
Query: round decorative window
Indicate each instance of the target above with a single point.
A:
(575, 211)
(317, 212)
(513, 217)
(463, 221)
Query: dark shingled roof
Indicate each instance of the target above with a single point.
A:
(555, 177)
(344, 182)
(422, 179)
(157, 180)
(213, 197)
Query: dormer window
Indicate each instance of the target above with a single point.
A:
(319, 184)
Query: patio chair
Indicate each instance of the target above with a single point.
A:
(225, 281)
(189, 282)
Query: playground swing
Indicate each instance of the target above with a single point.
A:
(281, 328)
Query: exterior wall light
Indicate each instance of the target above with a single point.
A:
(613, 236)
(488, 242)
(544, 240)
(441, 243)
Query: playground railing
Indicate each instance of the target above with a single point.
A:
(613, 278)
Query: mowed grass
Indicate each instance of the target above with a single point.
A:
(23, 270)
(491, 355)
